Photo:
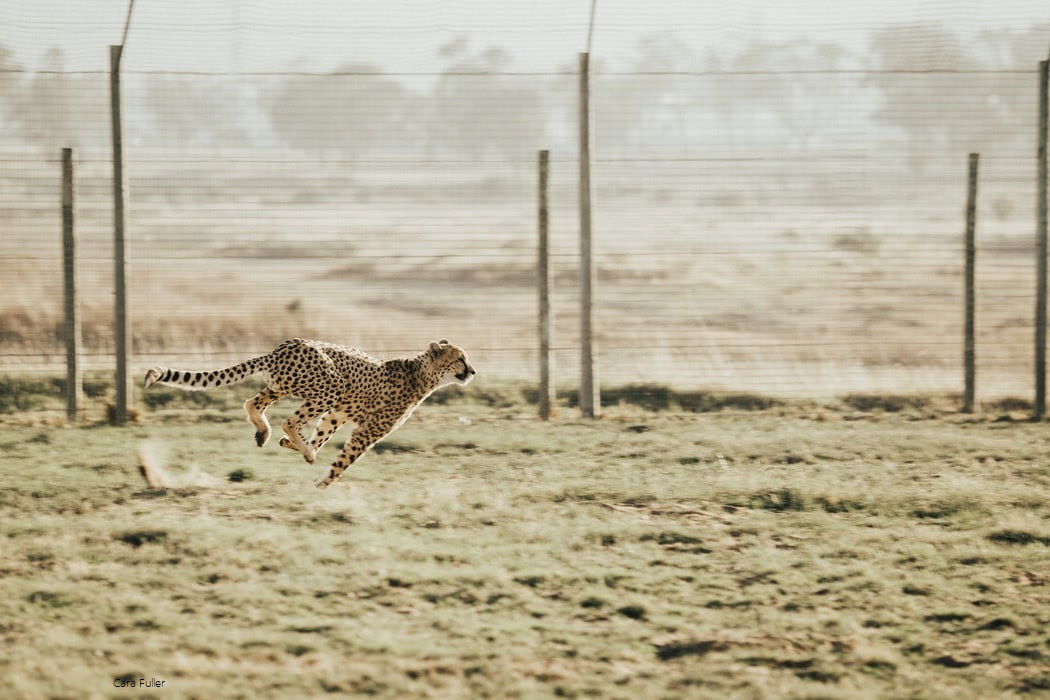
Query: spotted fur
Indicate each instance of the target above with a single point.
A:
(337, 384)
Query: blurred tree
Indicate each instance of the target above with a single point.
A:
(799, 103)
(1024, 48)
(652, 111)
(631, 113)
(10, 83)
(54, 108)
(351, 111)
(475, 112)
(196, 111)
(726, 101)
(939, 113)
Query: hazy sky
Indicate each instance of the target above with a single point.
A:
(269, 35)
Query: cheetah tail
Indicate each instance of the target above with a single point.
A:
(194, 380)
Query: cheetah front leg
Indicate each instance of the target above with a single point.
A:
(256, 407)
(360, 440)
(293, 425)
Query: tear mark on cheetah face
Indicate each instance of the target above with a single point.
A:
(452, 363)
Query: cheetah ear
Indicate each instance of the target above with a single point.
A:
(435, 348)
(443, 341)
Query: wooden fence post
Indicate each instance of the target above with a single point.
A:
(1039, 408)
(71, 327)
(590, 392)
(121, 325)
(969, 341)
(544, 284)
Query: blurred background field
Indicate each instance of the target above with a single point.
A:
(685, 296)
(778, 208)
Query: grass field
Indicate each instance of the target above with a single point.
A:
(801, 550)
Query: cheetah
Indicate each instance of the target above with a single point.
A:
(337, 384)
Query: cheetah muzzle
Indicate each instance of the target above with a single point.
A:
(337, 384)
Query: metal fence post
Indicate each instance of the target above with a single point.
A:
(969, 342)
(121, 326)
(71, 327)
(590, 392)
(543, 282)
(1039, 408)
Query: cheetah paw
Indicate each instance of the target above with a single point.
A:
(262, 437)
(310, 455)
(322, 483)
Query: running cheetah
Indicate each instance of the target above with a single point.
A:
(337, 384)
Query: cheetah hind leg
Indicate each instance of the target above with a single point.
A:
(256, 407)
(287, 444)
(293, 426)
(326, 427)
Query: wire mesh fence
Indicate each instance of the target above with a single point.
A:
(778, 216)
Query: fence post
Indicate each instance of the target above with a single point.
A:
(1039, 408)
(71, 328)
(590, 392)
(969, 342)
(543, 282)
(121, 321)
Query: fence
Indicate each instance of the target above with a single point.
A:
(788, 226)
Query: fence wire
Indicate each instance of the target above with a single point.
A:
(783, 216)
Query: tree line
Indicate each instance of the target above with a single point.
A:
(793, 96)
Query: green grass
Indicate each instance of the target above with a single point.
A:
(38, 397)
(788, 552)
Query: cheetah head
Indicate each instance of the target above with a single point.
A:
(451, 363)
